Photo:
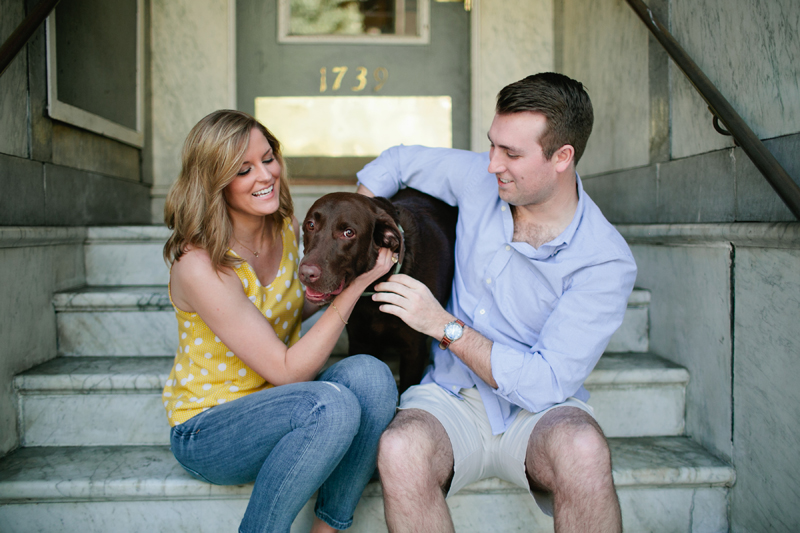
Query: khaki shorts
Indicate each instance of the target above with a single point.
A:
(477, 453)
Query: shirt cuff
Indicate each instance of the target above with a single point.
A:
(381, 184)
(507, 366)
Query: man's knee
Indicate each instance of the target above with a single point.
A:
(409, 452)
(569, 445)
(404, 441)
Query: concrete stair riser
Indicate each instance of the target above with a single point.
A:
(675, 510)
(96, 401)
(126, 255)
(97, 453)
(139, 320)
(681, 489)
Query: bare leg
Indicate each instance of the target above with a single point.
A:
(321, 527)
(568, 455)
(415, 461)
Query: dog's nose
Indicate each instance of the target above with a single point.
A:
(309, 273)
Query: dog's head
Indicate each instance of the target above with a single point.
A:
(342, 234)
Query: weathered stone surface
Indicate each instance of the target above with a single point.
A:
(697, 189)
(22, 200)
(766, 367)
(75, 197)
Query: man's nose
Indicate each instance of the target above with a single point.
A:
(495, 166)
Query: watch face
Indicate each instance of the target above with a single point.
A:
(453, 331)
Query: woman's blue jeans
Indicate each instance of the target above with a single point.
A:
(294, 439)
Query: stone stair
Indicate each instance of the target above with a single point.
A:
(95, 454)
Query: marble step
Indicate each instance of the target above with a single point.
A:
(126, 255)
(92, 401)
(665, 484)
(132, 255)
(139, 320)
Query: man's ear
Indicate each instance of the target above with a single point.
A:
(563, 157)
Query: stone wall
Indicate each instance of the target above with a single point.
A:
(192, 62)
(52, 173)
(34, 263)
(55, 179)
(725, 302)
(766, 367)
(714, 243)
(654, 155)
(506, 49)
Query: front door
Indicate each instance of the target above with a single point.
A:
(338, 81)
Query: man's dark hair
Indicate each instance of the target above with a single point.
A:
(564, 103)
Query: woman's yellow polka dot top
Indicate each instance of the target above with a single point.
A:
(206, 373)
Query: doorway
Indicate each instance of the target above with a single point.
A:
(339, 81)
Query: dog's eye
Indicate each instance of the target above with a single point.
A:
(310, 225)
(349, 233)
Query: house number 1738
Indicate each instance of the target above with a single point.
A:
(380, 75)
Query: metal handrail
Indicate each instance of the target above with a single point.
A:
(763, 159)
(17, 40)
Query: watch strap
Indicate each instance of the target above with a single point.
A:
(445, 340)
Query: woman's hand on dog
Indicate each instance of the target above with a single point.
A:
(383, 264)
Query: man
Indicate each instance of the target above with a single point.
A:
(541, 283)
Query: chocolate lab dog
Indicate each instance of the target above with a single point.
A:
(342, 234)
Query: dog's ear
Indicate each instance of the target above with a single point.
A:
(387, 233)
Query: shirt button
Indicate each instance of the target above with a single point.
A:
(455, 388)
(502, 208)
(488, 280)
(483, 311)
(508, 248)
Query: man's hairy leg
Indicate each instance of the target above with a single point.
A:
(568, 455)
(415, 461)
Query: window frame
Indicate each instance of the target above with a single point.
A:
(64, 112)
(423, 30)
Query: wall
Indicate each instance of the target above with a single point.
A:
(605, 47)
(725, 302)
(506, 49)
(715, 245)
(52, 173)
(192, 68)
(654, 156)
(54, 179)
(34, 263)
(766, 370)
(750, 49)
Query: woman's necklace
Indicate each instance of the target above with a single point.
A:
(254, 252)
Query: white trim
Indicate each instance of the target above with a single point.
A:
(64, 112)
(232, 53)
(476, 133)
(423, 30)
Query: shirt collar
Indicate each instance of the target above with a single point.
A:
(563, 240)
(565, 237)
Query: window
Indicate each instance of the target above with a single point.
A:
(95, 67)
(354, 21)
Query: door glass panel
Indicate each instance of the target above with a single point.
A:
(354, 21)
(364, 17)
(355, 126)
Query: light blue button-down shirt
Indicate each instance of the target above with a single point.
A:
(549, 311)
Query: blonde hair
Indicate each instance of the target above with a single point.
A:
(196, 210)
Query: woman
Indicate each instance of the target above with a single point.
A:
(242, 398)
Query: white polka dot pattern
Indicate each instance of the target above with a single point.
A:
(217, 375)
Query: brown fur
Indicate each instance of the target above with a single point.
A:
(333, 258)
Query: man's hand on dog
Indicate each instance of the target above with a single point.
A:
(412, 302)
